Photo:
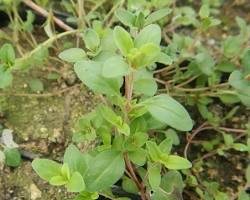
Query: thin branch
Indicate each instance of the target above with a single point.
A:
(186, 82)
(195, 132)
(130, 169)
(221, 85)
(233, 130)
(205, 127)
(45, 13)
(131, 173)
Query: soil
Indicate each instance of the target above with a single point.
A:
(42, 126)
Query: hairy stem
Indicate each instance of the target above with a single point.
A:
(130, 169)
(129, 90)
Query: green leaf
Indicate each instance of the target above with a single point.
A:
(76, 183)
(126, 17)
(75, 159)
(154, 151)
(244, 97)
(237, 81)
(48, 29)
(46, 169)
(170, 133)
(226, 66)
(7, 54)
(110, 116)
(90, 73)
(244, 196)
(73, 55)
(157, 15)
(5, 77)
(28, 24)
(138, 156)
(146, 86)
(65, 171)
(140, 20)
(242, 86)
(154, 176)
(206, 63)
(167, 110)
(136, 140)
(115, 67)
(166, 145)
(106, 169)
(164, 59)
(118, 143)
(176, 162)
(245, 61)
(124, 129)
(12, 157)
(228, 139)
(58, 180)
(241, 23)
(229, 98)
(204, 11)
(103, 56)
(149, 34)
(91, 39)
(221, 196)
(231, 46)
(240, 147)
(172, 181)
(129, 186)
(84, 195)
(108, 42)
(150, 53)
(123, 40)
(36, 85)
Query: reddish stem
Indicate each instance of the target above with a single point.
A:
(130, 169)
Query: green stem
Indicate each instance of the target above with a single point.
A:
(45, 44)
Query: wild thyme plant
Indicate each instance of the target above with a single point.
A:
(125, 124)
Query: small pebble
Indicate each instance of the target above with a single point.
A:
(35, 193)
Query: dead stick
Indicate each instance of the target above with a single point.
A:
(45, 13)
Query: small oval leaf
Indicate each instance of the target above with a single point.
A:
(167, 110)
(149, 34)
(123, 40)
(73, 55)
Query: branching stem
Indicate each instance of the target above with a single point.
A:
(130, 169)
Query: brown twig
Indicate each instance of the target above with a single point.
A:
(233, 130)
(45, 13)
(132, 175)
(215, 151)
(202, 89)
(186, 82)
(195, 132)
(167, 68)
(204, 127)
